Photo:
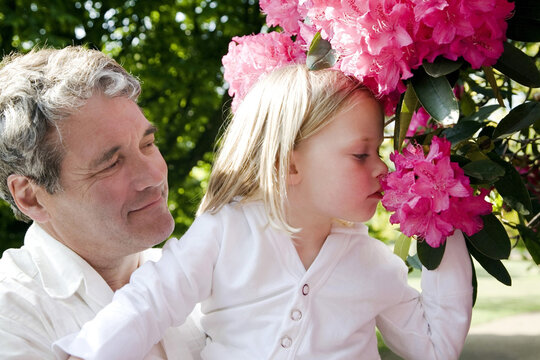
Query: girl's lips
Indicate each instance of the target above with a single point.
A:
(377, 194)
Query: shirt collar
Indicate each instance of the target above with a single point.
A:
(61, 270)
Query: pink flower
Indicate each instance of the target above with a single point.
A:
(398, 190)
(282, 13)
(430, 195)
(379, 42)
(437, 182)
(484, 47)
(420, 220)
(448, 23)
(466, 212)
(252, 56)
(419, 123)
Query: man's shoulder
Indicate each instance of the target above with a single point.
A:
(17, 265)
(19, 288)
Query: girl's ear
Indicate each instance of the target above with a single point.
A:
(25, 195)
(294, 177)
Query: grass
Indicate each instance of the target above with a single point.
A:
(495, 300)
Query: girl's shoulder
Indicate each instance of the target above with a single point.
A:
(236, 213)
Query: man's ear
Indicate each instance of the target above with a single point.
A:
(25, 194)
(294, 177)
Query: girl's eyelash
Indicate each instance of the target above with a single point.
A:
(361, 156)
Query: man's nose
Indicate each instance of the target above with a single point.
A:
(149, 171)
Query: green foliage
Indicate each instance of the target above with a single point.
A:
(428, 256)
(173, 47)
(436, 96)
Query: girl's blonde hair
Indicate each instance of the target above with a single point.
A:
(285, 107)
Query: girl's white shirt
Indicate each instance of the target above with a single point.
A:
(259, 302)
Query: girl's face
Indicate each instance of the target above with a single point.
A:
(335, 173)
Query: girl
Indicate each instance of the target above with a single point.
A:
(279, 257)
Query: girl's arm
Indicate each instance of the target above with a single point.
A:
(160, 294)
(434, 324)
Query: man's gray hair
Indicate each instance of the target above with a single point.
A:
(38, 91)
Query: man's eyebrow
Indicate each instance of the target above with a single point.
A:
(151, 130)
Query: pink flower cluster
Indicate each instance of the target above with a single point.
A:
(431, 196)
(380, 42)
(249, 57)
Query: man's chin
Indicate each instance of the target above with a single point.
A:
(155, 231)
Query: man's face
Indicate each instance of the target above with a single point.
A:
(114, 180)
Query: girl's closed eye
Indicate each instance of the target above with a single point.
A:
(361, 156)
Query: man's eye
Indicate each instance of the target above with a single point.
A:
(113, 165)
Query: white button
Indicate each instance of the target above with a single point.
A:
(305, 289)
(286, 342)
(296, 314)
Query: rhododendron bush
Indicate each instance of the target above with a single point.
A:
(448, 73)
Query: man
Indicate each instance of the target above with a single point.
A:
(78, 159)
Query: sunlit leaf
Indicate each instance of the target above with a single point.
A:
(436, 96)
(520, 117)
(320, 54)
(482, 113)
(409, 105)
(429, 257)
(402, 245)
(492, 241)
(490, 77)
(493, 266)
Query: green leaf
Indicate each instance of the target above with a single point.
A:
(482, 113)
(441, 66)
(531, 239)
(409, 105)
(414, 262)
(485, 170)
(493, 266)
(520, 117)
(436, 96)
(474, 281)
(518, 66)
(511, 187)
(320, 54)
(429, 257)
(461, 131)
(492, 241)
(490, 77)
(402, 245)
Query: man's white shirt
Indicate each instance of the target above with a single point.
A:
(47, 291)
